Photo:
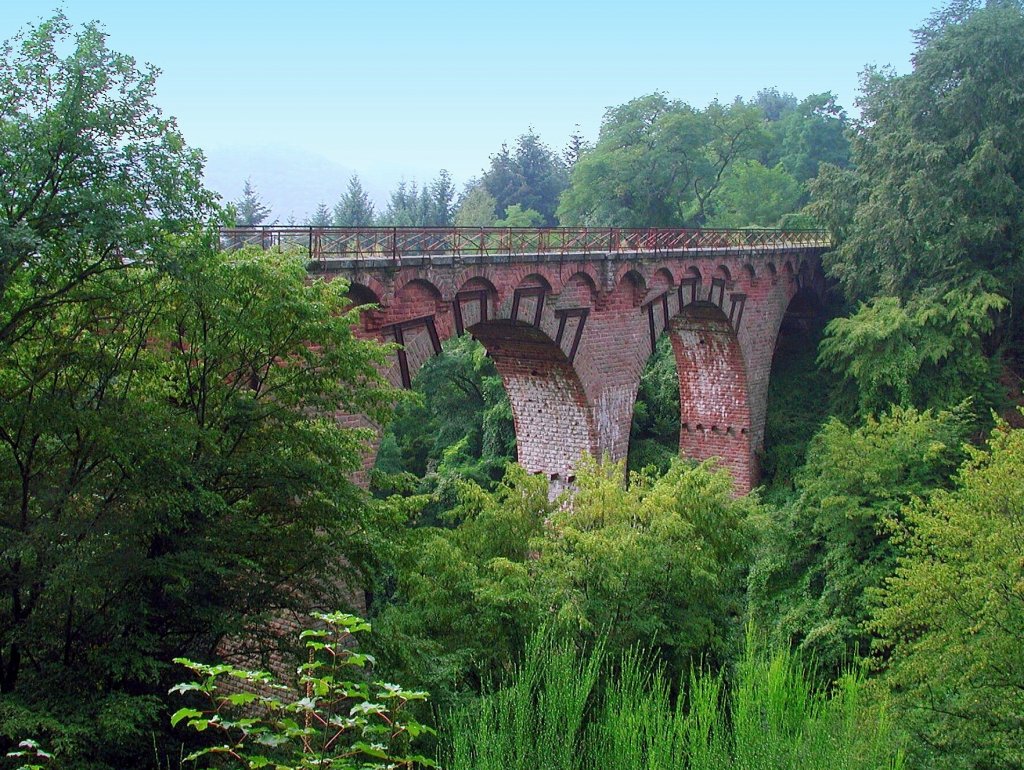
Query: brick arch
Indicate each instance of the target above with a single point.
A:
(662, 277)
(368, 303)
(475, 301)
(554, 422)
(714, 411)
(629, 292)
(361, 294)
(578, 290)
(418, 321)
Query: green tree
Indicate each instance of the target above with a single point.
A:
(814, 132)
(659, 163)
(654, 432)
(773, 104)
(530, 175)
(321, 217)
(926, 352)
(752, 195)
(575, 148)
(476, 207)
(91, 169)
(163, 474)
(516, 216)
(659, 562)
(429, 206)
(463, 423)
(249, 208)
(828, 548)
(354, 209)
(934, 200)
(951, 619)
(463, 600)
(442, 200)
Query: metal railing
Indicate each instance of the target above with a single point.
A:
(327, 243)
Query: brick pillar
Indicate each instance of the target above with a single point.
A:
(714, 411)
(553, 420)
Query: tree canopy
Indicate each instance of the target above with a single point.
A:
(930, 213)
(92, 172)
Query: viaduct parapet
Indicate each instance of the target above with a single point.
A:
(570, 317)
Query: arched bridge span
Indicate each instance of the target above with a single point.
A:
(570, 317)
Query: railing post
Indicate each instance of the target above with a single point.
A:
(394, 243)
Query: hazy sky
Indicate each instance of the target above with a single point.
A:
(299, 94)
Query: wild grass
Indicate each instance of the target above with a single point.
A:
(560, 710)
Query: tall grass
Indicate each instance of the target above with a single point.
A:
(564, 711)
(536, 721)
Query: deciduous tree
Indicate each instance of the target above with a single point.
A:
(951, 618)
(92, 172)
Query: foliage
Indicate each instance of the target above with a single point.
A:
(951, 618)
(463, 423)
(515, 216)
(569, 711)
(925, 352)
(463, 599)
(354, 208)
(798, 405)
(91, 170)
(322, 217)
(658, 163)
(250, 209)
(660, 561)
(575, 148)
(812, 133)
(476, 207)
(343, 722)
(163, 471)
(752, 195)
(654, 432)
(531, 175)
(931, 210)
(535, 718)
(827, 549)
(431, 206)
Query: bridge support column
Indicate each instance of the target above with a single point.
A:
(714, 418)
(553, 419)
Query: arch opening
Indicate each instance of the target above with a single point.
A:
(553, 420)
(504, 391)
(654, 430)
(460, 424)
(797, 399)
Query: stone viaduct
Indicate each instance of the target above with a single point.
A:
(570, 317)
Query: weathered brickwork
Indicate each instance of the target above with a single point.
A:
(570, 338)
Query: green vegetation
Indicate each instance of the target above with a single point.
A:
(344, 722)
(172, 476)
(564, 709)
(950, 619)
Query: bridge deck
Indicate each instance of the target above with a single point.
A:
(338, 245)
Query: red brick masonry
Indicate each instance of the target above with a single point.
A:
(570, 335)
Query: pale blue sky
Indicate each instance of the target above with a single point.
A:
(298, 94)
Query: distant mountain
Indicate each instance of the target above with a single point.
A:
(291, 182)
